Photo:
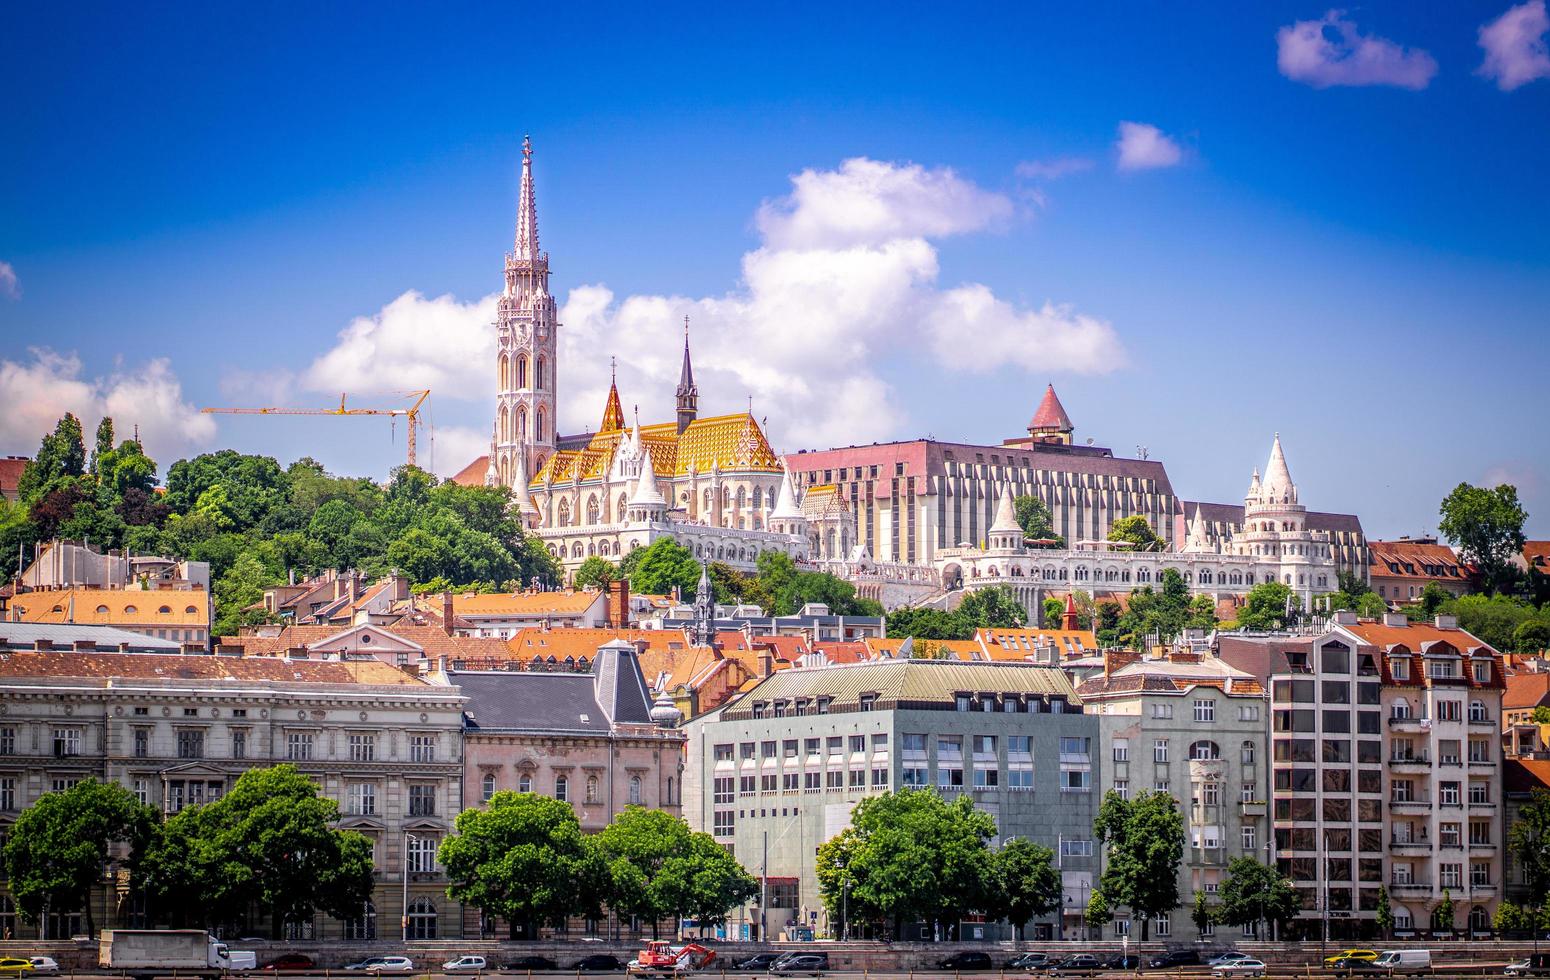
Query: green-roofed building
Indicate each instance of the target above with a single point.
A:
(776, 772)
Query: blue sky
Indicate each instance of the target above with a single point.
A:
(196, 202)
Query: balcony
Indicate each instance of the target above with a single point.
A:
(1409, 723)
(1411, 802)
(1411, 845)
(1481, 805)
(1482, 888)
(1410, 888)
(1253, 808)
(1411, 761)
(1482, 719)
(1481, 845)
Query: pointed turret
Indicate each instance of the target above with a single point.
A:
(1197, 542)
(1005, 533)
(1253, 493)
(786, 516)
(704, 608)
(522, 497)
(613, 412)
(687, 393)
(1069, 617)
(647, 502)
(1278, 484)
(526, 246)
(492, 473)
(1050, 423)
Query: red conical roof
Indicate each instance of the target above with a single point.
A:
(613, 412)
(1051, 414)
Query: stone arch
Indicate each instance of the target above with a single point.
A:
(521, 371)
(540, 372)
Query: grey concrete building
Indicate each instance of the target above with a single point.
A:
(1194, 726)
(775, 773)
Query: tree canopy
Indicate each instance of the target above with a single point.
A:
(1265, 607)
(996, 607)
(59, 845)
(1027, 882)
(658, 867)
(1137, 532)
(1254, 892)
(1144, 841)
(270, 843)
(1486, 526)
(1034, 516)
(1529, 840)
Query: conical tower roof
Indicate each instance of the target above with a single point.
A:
(646, 493)
(613, 412)
(786, 506)
(526, 245)
(519, 484)
(1197, 541)
(1050, 414)
(1006, 516)
(1278, 479)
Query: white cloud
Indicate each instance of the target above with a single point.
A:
(1515, 49)
(39, 391)
(869, 201)
(412, 343)
(454, 446)
(10, 288)
(1331, 51)
(845, 275)
(1143, 146)
(1053, 168)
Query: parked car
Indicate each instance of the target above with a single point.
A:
(290, 963)
(532, 963)
(1404, 961)
(1351, 954)
(46, 964)
(365, 964)
(1122, 961)
(1535, 965)
(1175, 959)
(14, 966)
(394, 964)
(812, 964)
(599, 962)
(1346, 967)
(1231, 956)
(1028, 961)
(1246, 967)
(466, 964)
(1077, 963)
(966, 961)
(758, 961)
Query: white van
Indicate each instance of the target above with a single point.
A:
(1403, 961)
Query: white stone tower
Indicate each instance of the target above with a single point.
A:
(525, 347)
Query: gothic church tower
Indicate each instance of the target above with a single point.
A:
(526, 343)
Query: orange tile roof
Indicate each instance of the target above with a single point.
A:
(1414, 635)
(1019, 644)
(525, 603)
(1411, 559)
(1525, 690)
(734, 442)
(844, 651)
(1537, 555)
(472, 475)
(141, 607)
(107, 667)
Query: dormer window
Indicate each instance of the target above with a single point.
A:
(868, 701)
(1482, 671)
(823, 705)
(1399, 668)
(759, 708)
(963, 701)
(780, 709)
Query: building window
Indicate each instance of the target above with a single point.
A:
(298, 746)
(422, 800)
(562, 788)
(363, 799)
(1162, 711)
(1204, 751)
(723, 823)
(1075, 781)
(949, 761)
(635, 790)
(592, 796)
(487, 786)
(239, 744)
(422, 855)
(1247, 753)
(7, 741)
(422, 748)
(67, 742)
(363, 747)
(724, 789)
(142, 743)
(1250, 838)
(142, 793)
(1160, 750)
(1121, 750)
(363, 927)
(422, 919)
(1072, 848)
(191, 744)
(1205, 711)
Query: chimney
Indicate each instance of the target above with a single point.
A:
(1395, 619)
(446, 612)
(41, 644)
(1345, 617)
(1445, 622)
(123, 647)
(766, 662)
(85, 646)
(619, 604)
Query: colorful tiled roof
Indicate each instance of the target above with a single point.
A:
(1526, 690)
(109, 667)
(1050, 414)
(733, 442)
(1415, 559)
(113, 607)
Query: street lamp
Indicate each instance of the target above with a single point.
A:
(404, 919)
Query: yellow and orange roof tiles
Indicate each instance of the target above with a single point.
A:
(733, 442)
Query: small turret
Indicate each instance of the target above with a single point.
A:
(687, 393)
(1005, 533)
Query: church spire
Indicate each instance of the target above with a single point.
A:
(526, 246)
(687, 394)
(613, 412)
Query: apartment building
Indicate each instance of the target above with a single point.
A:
(178, 730)
(775, 773)
(1194, 726)
(1386, 772)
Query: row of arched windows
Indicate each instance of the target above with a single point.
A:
(513, 373)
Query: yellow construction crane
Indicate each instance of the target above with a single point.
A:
(412, 413)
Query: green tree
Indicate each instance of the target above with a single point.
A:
(1540, 715)
(1036, 520)
(1028, 882)
(1053, 609)
(1511, 917)
(1486, 526)
(595, 573)
(269, 843)
(1531, 636)
(1254, 892)
(1385, 913)
(1098, 912)
(58, 848)
(238, 591)
(1529, 840)
(104, 444)
(522, 858)
(62, 454)
(996, 607)
(1493, 618)
(1137, 532)
(836, 593)
(662, 566)
(1442, 916)
(1144, 837)
(658, 867)
(925, 623)
(1264, 608)
(913, 856)
(1201, 914)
